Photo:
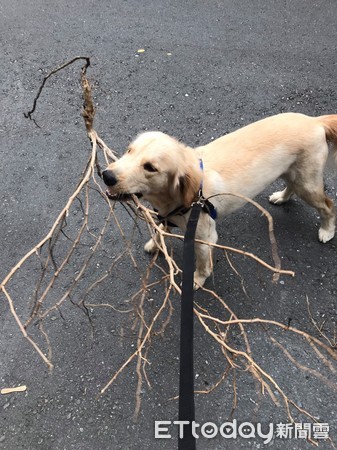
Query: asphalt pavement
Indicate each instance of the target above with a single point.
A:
(207, 68)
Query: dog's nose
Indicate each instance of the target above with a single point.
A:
(109, 177)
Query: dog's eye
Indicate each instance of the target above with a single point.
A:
(149, 167)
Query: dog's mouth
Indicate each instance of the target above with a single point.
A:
(123, 197)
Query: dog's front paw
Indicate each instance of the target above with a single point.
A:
(199, 280)
(150, 246)
(326, 235)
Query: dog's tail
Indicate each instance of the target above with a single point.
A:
(330, 125)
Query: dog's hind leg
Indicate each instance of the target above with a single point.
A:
(326, 209)
(328, 220)
(308, 184)
(277, 198)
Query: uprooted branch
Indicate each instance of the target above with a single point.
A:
(56, 255)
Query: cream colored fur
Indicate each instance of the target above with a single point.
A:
(291, 146)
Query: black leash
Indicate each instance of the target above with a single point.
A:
(186, 377)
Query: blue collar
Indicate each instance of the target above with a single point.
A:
(206, 205)
(201, 164)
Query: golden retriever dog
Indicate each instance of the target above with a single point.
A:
(169, 174)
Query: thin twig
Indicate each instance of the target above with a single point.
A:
(62, 66)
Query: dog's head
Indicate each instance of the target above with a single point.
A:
(156, 167)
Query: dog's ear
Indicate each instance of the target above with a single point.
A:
(189, 186)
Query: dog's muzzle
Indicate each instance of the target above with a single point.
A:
(109, 178)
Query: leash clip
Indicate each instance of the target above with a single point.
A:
(205, 205)
(200, 201)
